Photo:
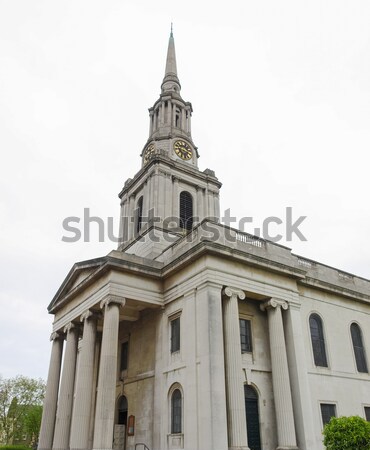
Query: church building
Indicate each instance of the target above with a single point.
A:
(193, 335)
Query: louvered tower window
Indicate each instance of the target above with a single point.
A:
(358, 348)
(139, 214)
(186, 210)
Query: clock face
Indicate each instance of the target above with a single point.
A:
(183, 150)
(149, 152)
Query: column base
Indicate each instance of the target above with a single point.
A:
(239, 448)
(289, 447)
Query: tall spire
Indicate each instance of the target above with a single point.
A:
(170, 80)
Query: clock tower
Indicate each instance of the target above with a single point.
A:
(169, 195)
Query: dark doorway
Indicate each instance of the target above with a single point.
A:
(122, 411)
(253, 419)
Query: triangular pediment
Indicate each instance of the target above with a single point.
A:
(80, 272)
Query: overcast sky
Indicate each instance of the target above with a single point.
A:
(281, 98)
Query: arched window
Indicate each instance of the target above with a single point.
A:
(122, 410)
(139, 214)
(318, 341)
(186, 210)
(358, 348)
(176, 412)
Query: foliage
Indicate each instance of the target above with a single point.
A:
(18, 398)
(32, 422)
(14, 447)
(347, 433)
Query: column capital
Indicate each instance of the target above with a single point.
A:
(233, 292)
(112, 300)
(89, 314)
(69, 327)
(273, 304)
(56, 335)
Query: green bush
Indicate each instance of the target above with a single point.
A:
(14, 447)
(347, 433)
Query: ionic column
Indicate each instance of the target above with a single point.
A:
(84, 384)
(210, 368)
(51, 394)
(105, 402)
(233, 369)
(280, 375)
(65, 402)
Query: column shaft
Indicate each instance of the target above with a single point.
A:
(280, 377)
(237, 424)
(51, 395)
(211, 411)
(84, 385)
(106, 395)
(65, 402)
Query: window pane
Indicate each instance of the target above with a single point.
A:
(139, 214)
(245, 335)
(358, 348)
(176, 411)
(367, 413)
(175, 335)
(124, 355)
(327, 412)
(318, 341)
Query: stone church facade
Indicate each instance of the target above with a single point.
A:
(193, 335)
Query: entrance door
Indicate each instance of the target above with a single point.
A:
(119, 439)
(253, 419)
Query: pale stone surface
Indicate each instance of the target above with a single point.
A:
(65, 402)
(105, 402)
(184, 278)
(280, 376)
(237, 429)
(51, 394)
(84, 385)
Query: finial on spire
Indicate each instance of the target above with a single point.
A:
(171, 29)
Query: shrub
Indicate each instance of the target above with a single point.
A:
(14, 447)
(347, 433)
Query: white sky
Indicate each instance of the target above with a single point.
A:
(281, 98)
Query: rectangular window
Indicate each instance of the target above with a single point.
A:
(367, 413)
(245, 335)
(175, 335)
(124, 355)
(328, 410)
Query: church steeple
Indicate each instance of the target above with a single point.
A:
(171, 81)
(169, 195)
(170, 118)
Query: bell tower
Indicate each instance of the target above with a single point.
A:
(169, 193)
